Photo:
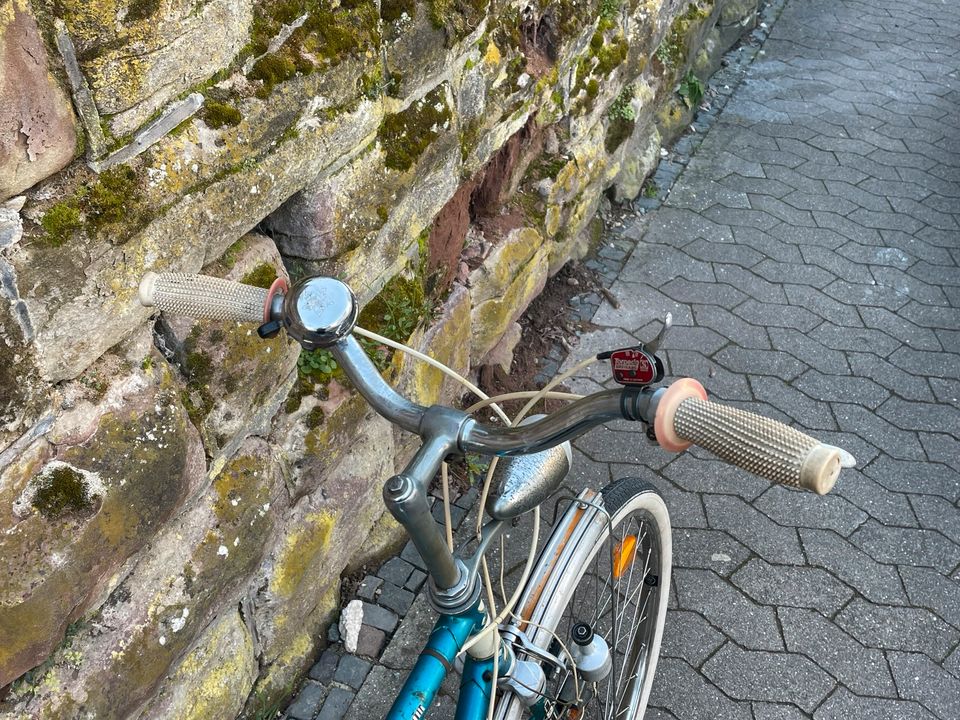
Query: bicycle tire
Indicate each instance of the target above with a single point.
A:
(577, 556)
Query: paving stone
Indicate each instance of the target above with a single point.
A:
(907, 546)
(770, 245)
(767, 676)
(762, 362)
(855, 339)
(323, 670)
(395, 598)
(823, 305)
(844, 705)
(918, 678)
(395, 570)
(351, 671)
(416, 580)
(728, 325)
(790, 586)
(707, 549)
(680, 689)
(861, 669)
(371, 642)
(336, 705)
(367, 589)
(952, 663)
(713, 476)
(777, 711)
(877, 431)
(890, 508)
(836, 264)
(379, 617)
(799, 508)
(898, 628)
(727, 608)
(410, 554)
(889, 376)
(907, 286)
(936, 513)
(928, 588)
(803, 347)
(307, 702)
(841, 388)
(899, 328)
(686, 292)
(796, 273)
(926, 478)
(688, 636)
(875, 581)
(719, 381)
(806, 413)
(871, 294)
(769, 540)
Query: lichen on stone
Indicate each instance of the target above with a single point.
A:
(261, 276)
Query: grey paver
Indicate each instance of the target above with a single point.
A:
(927, 478)
(772, 677)
(918, 678)
(875, 581)
(307, 702)
(323, 670)
(728, 609)
(688, 636)
(786, 585)
(351, 671)
(844, 705)
(773, 542)
(930, 589)
(803, 509)
(907, 546)
(861, 669)
(708, 550)
(687, 694)
(896, 628)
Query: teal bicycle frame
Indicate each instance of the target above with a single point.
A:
(436, 660)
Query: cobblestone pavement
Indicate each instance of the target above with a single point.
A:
(809, 254)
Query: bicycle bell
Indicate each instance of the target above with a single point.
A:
(318, 312)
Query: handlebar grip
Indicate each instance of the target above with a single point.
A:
(202, 296)
(762, 446)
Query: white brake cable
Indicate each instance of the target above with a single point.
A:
(534, 398)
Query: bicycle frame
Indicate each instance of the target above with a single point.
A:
(436, 659)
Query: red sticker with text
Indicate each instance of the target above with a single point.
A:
(633, 367)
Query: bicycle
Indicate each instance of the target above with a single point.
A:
(580, 637)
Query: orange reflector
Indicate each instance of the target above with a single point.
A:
(624, 554)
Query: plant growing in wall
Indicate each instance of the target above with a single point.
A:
(691, 89)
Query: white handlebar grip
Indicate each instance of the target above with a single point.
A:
(201, 296)
(762, 446)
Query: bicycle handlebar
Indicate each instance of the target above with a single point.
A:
(681, 415)
(757, 444)
(202, 296)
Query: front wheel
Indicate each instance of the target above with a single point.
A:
(606, 564)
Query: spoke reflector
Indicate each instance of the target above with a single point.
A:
(624, 554)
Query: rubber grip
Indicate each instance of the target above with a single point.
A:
(202, 296)
(759, 445)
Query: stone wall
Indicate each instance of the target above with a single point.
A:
(178, 499)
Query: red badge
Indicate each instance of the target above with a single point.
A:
(632, 366)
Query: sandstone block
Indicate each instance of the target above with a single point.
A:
(37, 126)
(82, 500)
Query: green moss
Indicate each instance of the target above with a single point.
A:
(405, 135)
(217, 114)
(611, 55)
(383, 213)
(458, 17)
(141, 10)
(112, 204)
(393, 10)
(261, 276)
(315, 418)
(60, 222)
(271, 70)
(62, 491)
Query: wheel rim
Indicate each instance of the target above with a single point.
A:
(626, 618)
